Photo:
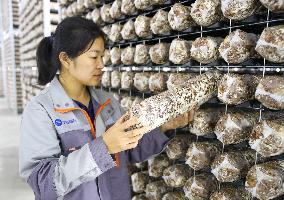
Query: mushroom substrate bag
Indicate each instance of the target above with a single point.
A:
(167, 105)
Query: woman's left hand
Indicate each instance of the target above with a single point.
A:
(180, 121)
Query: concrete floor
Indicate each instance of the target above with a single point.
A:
(12, 187)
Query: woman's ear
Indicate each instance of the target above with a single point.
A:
(65, 60)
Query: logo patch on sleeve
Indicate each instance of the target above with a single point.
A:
(59, 122)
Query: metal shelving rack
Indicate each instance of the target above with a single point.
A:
(1, 59)
(1, 73)
(38, 19)
(10, 55)
(253, 24)
(260, 66)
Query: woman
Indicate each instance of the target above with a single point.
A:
(66, 150)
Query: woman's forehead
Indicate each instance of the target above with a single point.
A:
(98, 45)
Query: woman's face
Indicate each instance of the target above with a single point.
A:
(87, 68)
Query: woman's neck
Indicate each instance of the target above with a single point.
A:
(75, 90)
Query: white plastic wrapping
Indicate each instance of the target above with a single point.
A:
(273, 5)
(137, 100)
(142, 4)
(175, 195)
(265, 181)
(156, 190)
(106, 30)
(176, 175)
(139, 181)
(205, 49)
(179, 52)
(159, 23)
(204, 121)
(231, 193)
(157, 82)
(206, 12)
(96, 16)
(105, 15)
(115, 79)
(128, 7)
(142, 165)
(62, 2)
(201, 154)
(238, 9)
(159, 53)
(88, 16)
(115, 55)
(270, 44)
(126, 103)
(157, 165)
(270, 92)
(69, 11)
(235, 89)
(142, 26)
(199, 187)
(91, 3)
(76, 7)
(139, 197)
(115, 34)
(127, 55)
(141, 81)
(141, 56)
(127, 80)
(233, 165)
(177, 147)
(115, 10)
(238, 46)
(128, 30)
(167, 105)
(106, 57)
(106, 80)
(234, 128)
(80, 7)
(267, 137)
(179, 17)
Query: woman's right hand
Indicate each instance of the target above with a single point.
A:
(117, 139)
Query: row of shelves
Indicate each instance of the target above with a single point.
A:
(11, 55)
(39, 19)
(200, 69)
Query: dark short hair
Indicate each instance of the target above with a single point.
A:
(74, 36)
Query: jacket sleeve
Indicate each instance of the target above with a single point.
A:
(50, 174)
(150, 145)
